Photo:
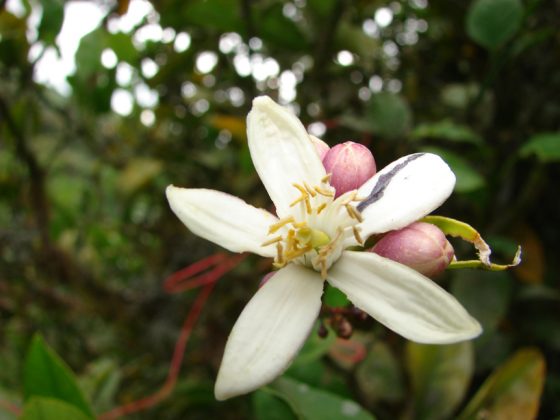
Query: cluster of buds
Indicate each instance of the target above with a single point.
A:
(421, 246)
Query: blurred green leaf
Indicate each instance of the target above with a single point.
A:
(314, 348)
(513, 391)
(485, 294)
(137, 173)
(440, 376)
(218, 14)
(123, 47)
(545, 146)
(46, 375)
(468, 179)
(51, 21)
(267, 406)
(39, 408)
(389, 115)
(100, 383)
(334, 297)
(379, 376)
(313, 404)
(492, 22)
(446, 130)
(277, 29)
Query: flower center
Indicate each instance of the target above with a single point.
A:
(318, 229)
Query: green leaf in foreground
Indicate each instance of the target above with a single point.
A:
(46, 375)
(492, 22)
(545, 146)
(38, 408)
(440, 377)
(313, 404)
(513, 391)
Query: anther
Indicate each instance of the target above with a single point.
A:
(321, 208)
(324, 193)
(272, 241)
(279, 251)
(282, 222)
(309, 189)
(326, 178)
(357, 235)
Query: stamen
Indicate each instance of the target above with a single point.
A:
(294, 253)
(280, 257)
(357, 235)
(326, 178)
(321, 208)
(281, 223)
(324, 193)
(300, 188)
(323, 269)
(309, 189)
(272, 241)
(298, 200)
(353, 213)
(308, 205)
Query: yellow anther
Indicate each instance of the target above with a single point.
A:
(321, 208)
(324, 193)
(299, 225)
(294, 253)
(303, 235)
(298, 200)
(353, 213)
(323, 269)
(309, 189)
(326, 178)
(357, 235)
(272, 241)
(308, 208)
(281, 223)
(300, 188)
(280, 254)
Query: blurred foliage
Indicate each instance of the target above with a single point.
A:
(86, 236)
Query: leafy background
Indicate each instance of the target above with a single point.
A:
(87, 238)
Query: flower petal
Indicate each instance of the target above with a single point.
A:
(270, 331)
(402, 299)
(223, 219)
(404, 191)
(282, 152)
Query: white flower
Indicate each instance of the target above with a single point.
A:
(309, 240)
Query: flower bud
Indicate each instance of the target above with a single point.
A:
(320, 146)
(350, 165)
(421, 246)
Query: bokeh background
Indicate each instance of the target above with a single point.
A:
(105, 103)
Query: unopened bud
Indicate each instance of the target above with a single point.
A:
(320, 146)
(341, 326)
(350, 165)
(421, 246)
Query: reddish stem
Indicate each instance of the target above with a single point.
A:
(173, 284)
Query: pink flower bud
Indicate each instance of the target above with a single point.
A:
(350, 164)
(321, 147)
(421, 246)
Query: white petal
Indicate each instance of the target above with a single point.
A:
(403, 192)
(402, 299)
(223, 219)
(282, 152)
(270, 331)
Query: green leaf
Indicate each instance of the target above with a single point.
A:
(334, 297)
(267, 406)
(277, 29)
(39, 408)
(46, 375)
(313, 404)
(389, 114)
(379, 376)
(512, 391)
(545, 146)
(218, 14)
(51, 22)
(440, 377)
(468, 179)
(446, 130)
(314, 348)
(492, 22)
(486, 295)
